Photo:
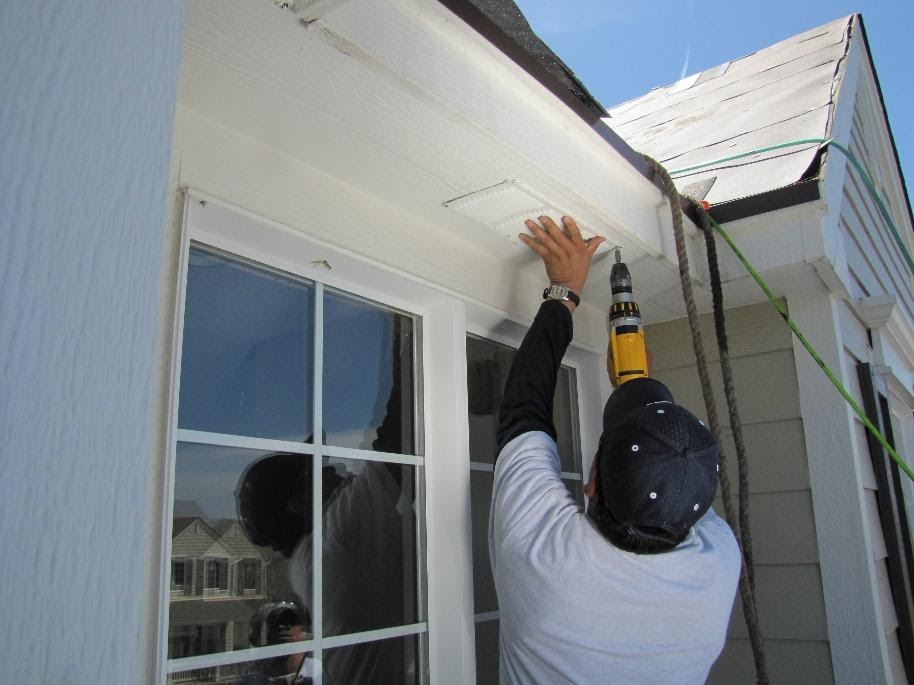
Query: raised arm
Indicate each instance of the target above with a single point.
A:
(527, 401)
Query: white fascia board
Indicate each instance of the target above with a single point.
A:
(497, 99)
(835, 164)
(785, 246)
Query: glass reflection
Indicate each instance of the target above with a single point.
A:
(487, 640)
(238, 516)
(488, 365)
(259, 672)
(247, 351)
(369, 563)
(564, 417)
(484, 597)
(368, 376)
(399, 662)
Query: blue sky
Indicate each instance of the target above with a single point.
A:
(621, 50)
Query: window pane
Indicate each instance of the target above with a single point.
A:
(247, 354)
(368, 399)
(270, 670)
(392, 662)
(488, 365)
(240, 526)
(487, 653)
(564, 416)
(370, 572)
(484, 597)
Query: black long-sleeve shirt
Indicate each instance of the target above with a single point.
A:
(527, 402)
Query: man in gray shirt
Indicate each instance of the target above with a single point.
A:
(639, 588)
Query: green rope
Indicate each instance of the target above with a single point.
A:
(782, 310)
(821, 142)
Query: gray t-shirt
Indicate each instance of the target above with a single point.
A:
(576, 609)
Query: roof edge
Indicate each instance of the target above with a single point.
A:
(588, 109)
(858, 18)
(585, 106)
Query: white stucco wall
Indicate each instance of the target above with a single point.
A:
(87, 98)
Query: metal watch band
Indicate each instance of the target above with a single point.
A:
(561, 292)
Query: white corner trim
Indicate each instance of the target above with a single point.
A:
(876, 310)
(855, 632)
(888, 321)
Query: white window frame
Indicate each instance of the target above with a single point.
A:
(447, 543)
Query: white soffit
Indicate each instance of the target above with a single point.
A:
(505, 206)
(401, 102)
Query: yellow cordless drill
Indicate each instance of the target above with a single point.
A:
(627, 354)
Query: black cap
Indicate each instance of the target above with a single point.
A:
(658, 463)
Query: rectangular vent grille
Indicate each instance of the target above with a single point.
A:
(505, 206)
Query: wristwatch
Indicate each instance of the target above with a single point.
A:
(561, 292)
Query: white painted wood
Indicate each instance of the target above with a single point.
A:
(450, 583)
(448, 116)
(853, 332)
(372, 635)
(880, 262)
(337, 216)
(89, 93)
(848, 576)
(836, 167)
(886, 605)
(882, 159)
(872, 519)
(896, 664)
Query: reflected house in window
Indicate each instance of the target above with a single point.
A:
(219, 579)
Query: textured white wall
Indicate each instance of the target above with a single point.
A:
(87, 97)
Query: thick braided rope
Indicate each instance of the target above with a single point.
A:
(692, 313)
(746, 594)
(726, 371)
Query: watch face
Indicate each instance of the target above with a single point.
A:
(560, 292)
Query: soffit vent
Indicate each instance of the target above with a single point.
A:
(505, 206)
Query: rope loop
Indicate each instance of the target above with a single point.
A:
(738, 521)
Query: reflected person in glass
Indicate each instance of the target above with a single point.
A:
(364, 556)
(368, 551)
(274, 506)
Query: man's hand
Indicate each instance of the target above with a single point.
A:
(565, 253)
